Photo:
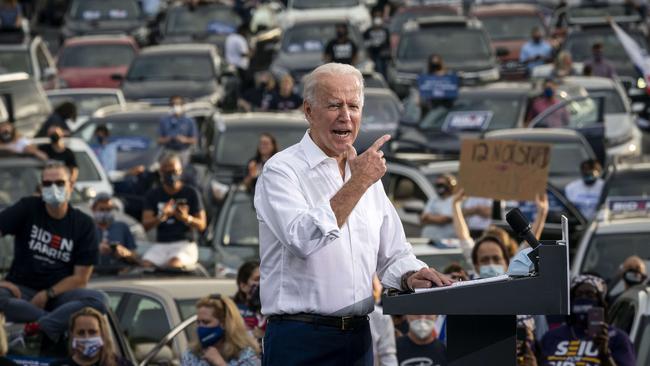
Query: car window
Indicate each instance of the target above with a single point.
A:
(315, 4)
(15, 61)
(606, 251)
(187, 308)
(417, 46)
(196, 67)
(204, 19)
(613, 101)
(86, 104)
(89, 10)
(87, 170)
(515, 26)
(398, 20)
(230, 150)
(491, 112)
(240, 240)
(566, 158)
(130, 135)
(579, 45)
(380, 112)
(628, 184)
(99, 55)
(309, 38)
(600, 11)
(556, 209)
(17, 182)
(148, 322)
(114, 299)
(622, 314)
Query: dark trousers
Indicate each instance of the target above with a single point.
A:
(290, 343)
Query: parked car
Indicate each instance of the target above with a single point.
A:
(308, 10)
(408, 13)
(29, 55)
(631, 313)
(202, 23)
(93, 17)
(148, 309)
(303, 43)
(191, 70)
(509, 27)
(381, 114)
(90, 61)
(628, 180)
(87, 101)
(24, 102)
(474, 62)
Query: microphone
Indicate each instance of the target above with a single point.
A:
(521, 227)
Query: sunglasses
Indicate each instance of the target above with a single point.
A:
(58, 182)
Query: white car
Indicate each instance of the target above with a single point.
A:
(355, 11)
(91, 173)
(87, 100)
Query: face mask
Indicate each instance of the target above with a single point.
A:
(548, 92)
(55, 138)
(580, 311)
(101, 139)
(171, 179)
(537, 40)
(104, 217)
(435, 67)
(491, 270)
(209, 336)
(589, 179)
(441, 189)
(90, 346)
(632, 277)
(376, 21)
(422, 328)
(341, 34)
(6, 136)
(54, 195)
(177, 109)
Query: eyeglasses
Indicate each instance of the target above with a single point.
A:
(58, 182)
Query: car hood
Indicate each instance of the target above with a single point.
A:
(417, 67)
(134, 90)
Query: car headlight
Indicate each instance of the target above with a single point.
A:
(620, 140)
(641, 83)
(489, 75)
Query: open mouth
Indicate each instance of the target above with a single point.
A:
(342, 133)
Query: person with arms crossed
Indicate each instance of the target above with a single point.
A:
(326, 226)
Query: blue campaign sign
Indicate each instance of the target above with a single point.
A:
(628, 205)
(131, 143)
(217, 27)
(467, 121)
(438, 87)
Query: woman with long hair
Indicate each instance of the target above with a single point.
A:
(247, 298)
(223, 337)
(90, 341)
(266, 148)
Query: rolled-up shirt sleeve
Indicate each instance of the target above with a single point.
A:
(395, 256)
(280, 204)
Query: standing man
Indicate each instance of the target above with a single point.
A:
(55, 250)
(238, 54)
(598, 65)
(326, 226)
(341, 49)
(174, 210)
(377, 39)
(536, 51)
(178, 132)
(56, 150)
(559, 118)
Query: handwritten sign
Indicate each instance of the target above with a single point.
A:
(505, 170)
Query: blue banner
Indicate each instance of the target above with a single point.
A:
(438, 87)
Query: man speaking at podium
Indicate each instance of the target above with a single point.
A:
(326, 226)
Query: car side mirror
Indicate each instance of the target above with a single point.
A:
(502, 52)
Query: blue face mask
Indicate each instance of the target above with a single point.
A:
(589, 179)
(491, 270)
(209, 336)
(548, 92)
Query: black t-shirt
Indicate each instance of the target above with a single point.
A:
(7, 362)
(411, 354)
(377, 41)
(172, 229)
(289, 103)
(66, 156)
(46, 250)
(341, 52)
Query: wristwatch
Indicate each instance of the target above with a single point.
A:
(404, 281)
(50, 293)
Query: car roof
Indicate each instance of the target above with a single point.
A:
(501, 87)
(176, 288)
(81, 91)
(99, 39)
(624, 225)
(504, 9)
(317, 19)
(257, 118)
(590, 82)
(178, 48)
(555, 134)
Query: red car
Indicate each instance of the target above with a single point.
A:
(89, 62)
(509, 27)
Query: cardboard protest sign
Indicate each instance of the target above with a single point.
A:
(505, 170)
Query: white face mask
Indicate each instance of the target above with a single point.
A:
(491, 270)
(54, 195)
(90, 346)
(422, 328)
(377, 21)
(177, 109)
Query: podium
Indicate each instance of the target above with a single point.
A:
(481, 318)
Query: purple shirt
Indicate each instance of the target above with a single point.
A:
(561, 348)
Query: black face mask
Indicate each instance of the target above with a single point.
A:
(441, 189)
(435, 67)
(632, 277)
(341, 33)
(6, 136)
(55, 138)
(170, 179)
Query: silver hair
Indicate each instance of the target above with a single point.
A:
(168, 157)
(311, 84)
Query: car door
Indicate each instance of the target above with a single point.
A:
(585, 115)
(406, 193)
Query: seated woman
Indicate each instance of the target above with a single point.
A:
(90, 341)
(223, 337)
(266, 148)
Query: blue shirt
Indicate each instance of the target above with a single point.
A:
(117, 232)
(172, 125)
(530, 50)
(107, 155)
(8, 16)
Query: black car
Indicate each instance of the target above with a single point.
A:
(381, 113)
(462, 43)
(203, 23)
(303, 44)
(476, 110)
(89, 17)
(193, 71)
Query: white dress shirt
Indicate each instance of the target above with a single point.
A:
(308, 263)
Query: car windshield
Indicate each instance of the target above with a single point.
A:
(490, 111)
(380, 111)
(204, 19)
(398, 20)
(195, 67)
(566, 158)
(230, 150)
(87, 169)
(417, 46)
(309, 38)
(579, 45)
(86, 104)
(99, 55)
(133, 134)
(104, 10)
(629, 184)
(513, 26)
(240, 236)
(600, 11)
(320, 4)
(606, 251)
(15, 61)
(18, 181)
